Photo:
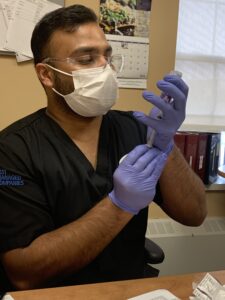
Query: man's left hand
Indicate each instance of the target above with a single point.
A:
(165, 118)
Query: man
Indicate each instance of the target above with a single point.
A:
(69, 212)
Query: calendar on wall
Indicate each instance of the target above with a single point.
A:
(126, 25)
(136, 55)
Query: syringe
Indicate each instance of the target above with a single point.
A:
(168, 99)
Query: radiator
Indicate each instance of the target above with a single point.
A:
(189, 249)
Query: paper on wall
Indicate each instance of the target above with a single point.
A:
(3, 26)
(25, 15)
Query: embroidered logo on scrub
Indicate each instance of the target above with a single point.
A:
(10, 180)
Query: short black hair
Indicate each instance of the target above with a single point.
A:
(67, 19)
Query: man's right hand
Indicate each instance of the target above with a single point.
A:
(136, 177)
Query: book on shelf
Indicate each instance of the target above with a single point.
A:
(201, 151)
(179, 140)
(190, 149)
(212, 157)
(200, 166)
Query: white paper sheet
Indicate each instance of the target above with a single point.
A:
(160, 294)
(26, 14)
(8, 9)
(3, 26)
(8, 297)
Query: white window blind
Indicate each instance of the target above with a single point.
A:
(200, 56)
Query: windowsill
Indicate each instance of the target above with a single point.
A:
(218, 185)
(203, 123)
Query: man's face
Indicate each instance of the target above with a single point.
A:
(87, 40)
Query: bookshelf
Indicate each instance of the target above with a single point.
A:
(217, 185)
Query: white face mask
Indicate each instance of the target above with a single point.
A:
(95, 91)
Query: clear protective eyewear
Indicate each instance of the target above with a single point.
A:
(89, 61)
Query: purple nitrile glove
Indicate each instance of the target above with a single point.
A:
(165, 118)
(136, 177)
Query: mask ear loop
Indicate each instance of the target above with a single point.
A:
(122, 65)
(58, 92)
(60, 71)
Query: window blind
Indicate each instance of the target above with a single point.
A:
(200, 56)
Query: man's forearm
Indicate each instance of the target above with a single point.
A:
(183, 191)
(67, 249)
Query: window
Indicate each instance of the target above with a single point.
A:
(200, 56)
